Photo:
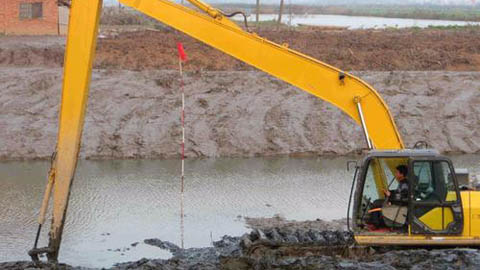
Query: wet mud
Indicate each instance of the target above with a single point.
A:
(275, 243)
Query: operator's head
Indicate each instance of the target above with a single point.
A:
(401, 172)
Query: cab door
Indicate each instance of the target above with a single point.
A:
(435, 204)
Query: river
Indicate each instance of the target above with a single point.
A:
(358, 22)
(120, 202)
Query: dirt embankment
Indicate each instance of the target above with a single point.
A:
(374, 50)
(236, 113)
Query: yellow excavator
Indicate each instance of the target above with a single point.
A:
(437, 212)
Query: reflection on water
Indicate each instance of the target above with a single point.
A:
(117, 203)
(358, 22)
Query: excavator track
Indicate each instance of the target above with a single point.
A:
(285, 242)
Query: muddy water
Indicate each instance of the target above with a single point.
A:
(117, 203)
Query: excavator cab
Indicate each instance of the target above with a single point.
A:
(434, 204)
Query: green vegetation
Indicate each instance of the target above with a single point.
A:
(454, 27)
(270, 23)
(415, 12)
(475, 28)
(266, 25)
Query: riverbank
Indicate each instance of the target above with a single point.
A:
(229, 114)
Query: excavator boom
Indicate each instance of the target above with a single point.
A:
(302, 71)
(350, 94)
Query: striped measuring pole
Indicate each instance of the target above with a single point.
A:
(181, 58)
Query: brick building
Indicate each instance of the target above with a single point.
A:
(30, 17)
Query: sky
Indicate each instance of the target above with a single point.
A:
(439, 2)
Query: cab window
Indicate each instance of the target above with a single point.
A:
(380, 176)
(444, 175)
(434, 181)
(370, 188)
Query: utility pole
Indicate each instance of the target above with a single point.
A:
(258, 12)
(290, 13)
(280, 14)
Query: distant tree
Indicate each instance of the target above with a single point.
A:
(280, 13)
(290, 12)
(258, 11)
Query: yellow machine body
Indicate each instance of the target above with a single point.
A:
(469, 237)
(471, 209)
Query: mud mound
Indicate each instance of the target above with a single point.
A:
(278, 221)
(31, 51)
(23, 265)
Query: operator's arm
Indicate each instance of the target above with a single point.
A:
(399, 196)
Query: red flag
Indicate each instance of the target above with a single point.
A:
(181, 52)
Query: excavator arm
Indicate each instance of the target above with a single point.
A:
(209, 25)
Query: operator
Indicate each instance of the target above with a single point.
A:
(399, 196)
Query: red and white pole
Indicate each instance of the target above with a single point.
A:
(183, 123)
(181, 58)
